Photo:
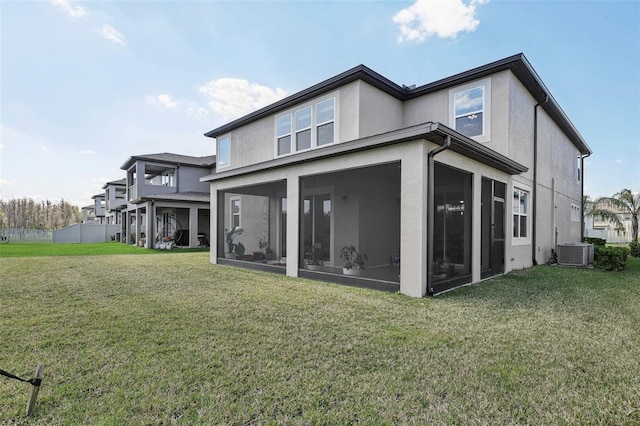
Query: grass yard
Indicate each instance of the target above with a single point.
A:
(90, 249)
(160, 340)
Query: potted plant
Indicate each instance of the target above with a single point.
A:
(235, 249)
(263, 245)
(312, 258)
(353, 260)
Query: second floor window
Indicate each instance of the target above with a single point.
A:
(224, 151)
(284, 135)
(325, 121)
(303, 129)
(310, 127)
(469, 111)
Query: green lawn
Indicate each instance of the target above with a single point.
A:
(151, 340)
(48, 249)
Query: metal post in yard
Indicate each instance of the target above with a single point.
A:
(36, 388)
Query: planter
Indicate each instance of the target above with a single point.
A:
(314, 267)
(229, 255)
(353, 271)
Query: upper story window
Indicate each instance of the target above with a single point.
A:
(470, 110)
(325, 121)
(303, 129)
(306, 128)
(284, 134)
(223, 151)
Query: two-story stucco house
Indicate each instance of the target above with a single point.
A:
(166, 198)
(115, 194)
(439, 185)
(99, 208)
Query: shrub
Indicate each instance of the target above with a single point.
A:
(595, 241)
(634, 249)
(610, 258)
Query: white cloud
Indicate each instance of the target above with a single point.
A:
(196, 111)
(110, 33)
(1, 147)
(45, 150)
(88, 152)
(191, 108)
(164, 100)
(232, 98)
(442, 18)
(618, 161)
(74, 12)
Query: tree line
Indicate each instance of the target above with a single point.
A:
(28, 214)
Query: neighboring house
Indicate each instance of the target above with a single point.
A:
(440, 185)
(99, 208)
(599, 228)
(115, 193)
(166, 198)
(89, 213)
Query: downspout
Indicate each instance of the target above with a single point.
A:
(430, 209)
(535, 179)
(177, 179)
(582, 157)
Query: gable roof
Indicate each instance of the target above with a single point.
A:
(518, 64)
(174, 159)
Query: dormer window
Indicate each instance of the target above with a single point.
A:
(309, 127)
(470, 110)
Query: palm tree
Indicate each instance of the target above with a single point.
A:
(592, 208)
(624, 202)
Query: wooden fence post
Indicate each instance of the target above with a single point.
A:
(35, 389)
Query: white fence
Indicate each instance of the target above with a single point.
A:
(86, 233)
(26, 235)
(611, 235)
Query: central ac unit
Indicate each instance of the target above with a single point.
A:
(576, 254)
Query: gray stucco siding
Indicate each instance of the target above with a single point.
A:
(379, 112)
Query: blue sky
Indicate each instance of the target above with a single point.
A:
(85, 85)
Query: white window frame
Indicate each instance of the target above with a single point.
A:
(303, 129)
(284, 135)
(575, 213)
(219, 163)
(232, 200)
(294, 130)
(523, 189)
(324, 123)
(485, 84)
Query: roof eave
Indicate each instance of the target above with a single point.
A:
(360, 72)
(434, 132)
